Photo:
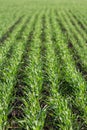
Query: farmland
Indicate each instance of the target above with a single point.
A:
(43, 65)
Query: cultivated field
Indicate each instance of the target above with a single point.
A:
(43, 65)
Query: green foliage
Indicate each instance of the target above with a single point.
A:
(43, 64)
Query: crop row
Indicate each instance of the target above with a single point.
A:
(73, 77)
(9, 19)
(78, 42)
(40, 85)
(9, 71)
